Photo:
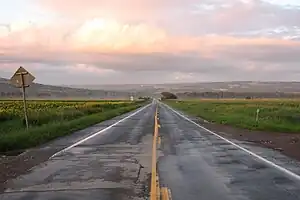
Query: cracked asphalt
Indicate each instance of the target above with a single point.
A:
(193, 163)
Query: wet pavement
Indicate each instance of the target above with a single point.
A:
(112, 165)
(198, 165)
(192, 162)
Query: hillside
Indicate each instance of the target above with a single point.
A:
(55, 92)
(235, 86)
(236, 89)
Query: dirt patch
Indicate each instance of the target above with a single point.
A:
(286, 143)
(14, 166)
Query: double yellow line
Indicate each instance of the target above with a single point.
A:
(156, 193)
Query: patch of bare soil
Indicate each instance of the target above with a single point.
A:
(287, 143)
(14, 166)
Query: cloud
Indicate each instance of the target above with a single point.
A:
(190, 17)
(110, 45)
(180, 39)
(129, 10)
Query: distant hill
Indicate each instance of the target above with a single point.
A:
(211, 89)
(56, 92)
(235, 86)
(237, 89)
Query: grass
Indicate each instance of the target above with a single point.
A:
(52, 119)
(276, 115)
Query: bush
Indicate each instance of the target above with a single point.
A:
(168, 95)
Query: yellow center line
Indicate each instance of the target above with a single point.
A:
(165, 194)
(154, 193)
(157, 193)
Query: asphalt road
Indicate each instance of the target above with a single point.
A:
(115, 164)
(197, 165)
(112, 165)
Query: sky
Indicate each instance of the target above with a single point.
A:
(150, 41)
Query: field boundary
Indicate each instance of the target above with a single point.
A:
(282, 169)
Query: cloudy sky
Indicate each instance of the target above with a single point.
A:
(150, 41)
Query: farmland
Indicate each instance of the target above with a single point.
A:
(278, 115)
(52, 119)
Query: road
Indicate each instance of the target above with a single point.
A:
(112, 160)
(114, 164)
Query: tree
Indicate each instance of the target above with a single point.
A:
(144, 98)
(168, 95)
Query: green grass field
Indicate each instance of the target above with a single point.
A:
(275, 115)
(52, 119)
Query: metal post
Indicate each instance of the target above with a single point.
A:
(24, 101)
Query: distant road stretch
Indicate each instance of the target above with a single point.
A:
(112, 161)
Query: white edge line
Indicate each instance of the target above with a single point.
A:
(97, 133)
(288, 172)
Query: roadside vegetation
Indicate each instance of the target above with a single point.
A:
(276, 115)
(168, 95)
(51, 119)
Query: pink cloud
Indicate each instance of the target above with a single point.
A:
(120, 10)
(84, 68)
(95, 34)
(111, 37)
(100, 43)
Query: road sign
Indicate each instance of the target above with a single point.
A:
(22, 78)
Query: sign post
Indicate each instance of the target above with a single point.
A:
(22, 79)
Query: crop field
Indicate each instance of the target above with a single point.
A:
(276, 115)
(42, 112)
(51, 119)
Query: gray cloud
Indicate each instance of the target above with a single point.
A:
(225, 59)
(236, 16)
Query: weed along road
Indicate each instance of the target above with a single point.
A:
(156, 153)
